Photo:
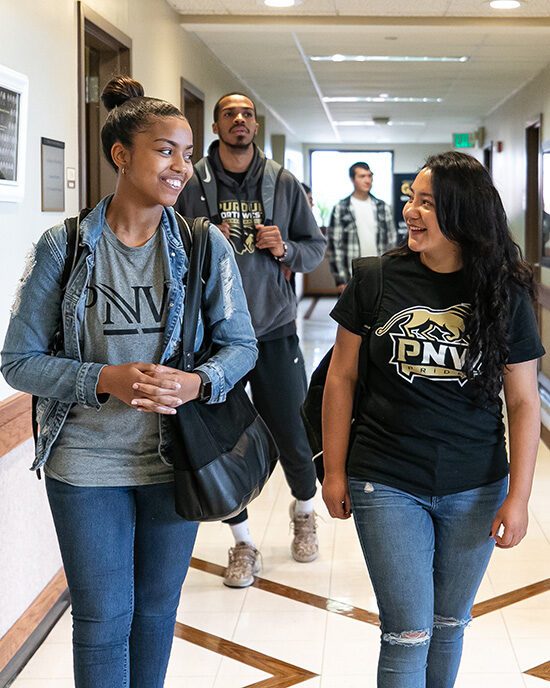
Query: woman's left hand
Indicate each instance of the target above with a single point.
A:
(154, 399)
(512, 519)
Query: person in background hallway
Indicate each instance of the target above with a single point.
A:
(309, 195)
(104, 398)
(292, 243)
(427, 473)
(360, 225)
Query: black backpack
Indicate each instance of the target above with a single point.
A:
(74, 251)
(270, 181)
(311, 409)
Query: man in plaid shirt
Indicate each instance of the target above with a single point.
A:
(360, 225)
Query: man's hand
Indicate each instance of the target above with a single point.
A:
(225, 229)
(341, 288)
(269, 237)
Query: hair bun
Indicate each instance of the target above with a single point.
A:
(119, 90)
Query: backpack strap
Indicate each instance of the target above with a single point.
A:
(270, 181)
(370, 271)
(209, 186)
(74, 247)
(74, 251)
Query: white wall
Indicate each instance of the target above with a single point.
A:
(28, 548)
(39, 39)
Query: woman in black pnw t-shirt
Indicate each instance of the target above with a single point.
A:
(426, 467)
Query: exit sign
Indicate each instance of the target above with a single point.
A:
(464, 140)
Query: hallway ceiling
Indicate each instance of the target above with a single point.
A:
(270, 51)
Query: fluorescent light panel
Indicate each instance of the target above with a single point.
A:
(505, 4)
(385, 58)
(281, 3)
(378, 99)
(371, 123)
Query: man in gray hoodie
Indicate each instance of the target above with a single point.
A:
(265, 251)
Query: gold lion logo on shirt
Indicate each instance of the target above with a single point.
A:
(429, 343)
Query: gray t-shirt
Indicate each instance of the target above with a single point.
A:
(124, 321)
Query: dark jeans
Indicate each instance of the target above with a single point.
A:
(426, 558)
(126, 554)
(279, 385)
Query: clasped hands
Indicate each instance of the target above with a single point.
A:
(149, 387)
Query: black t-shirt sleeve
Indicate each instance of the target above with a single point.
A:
(523, 335)
(348, 310)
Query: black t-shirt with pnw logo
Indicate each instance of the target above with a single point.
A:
(420, 426)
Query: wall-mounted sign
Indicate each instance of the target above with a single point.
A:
(13, 130)
(53, 174)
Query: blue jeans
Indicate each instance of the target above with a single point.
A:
(426, 558)
(126, 554)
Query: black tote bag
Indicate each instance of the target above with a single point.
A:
(223, 453)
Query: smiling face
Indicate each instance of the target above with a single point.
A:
(236, 124)
(158, 165)
(425, 235)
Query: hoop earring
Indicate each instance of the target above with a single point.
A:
(123, 170)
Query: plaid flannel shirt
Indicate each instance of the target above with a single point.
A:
(343, 240)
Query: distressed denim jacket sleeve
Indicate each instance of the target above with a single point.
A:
(228, 320)
(36, 316)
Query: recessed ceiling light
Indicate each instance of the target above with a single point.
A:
(385, 58)
(383, 95)
(377, 99)
(282, 3)
(505, 4)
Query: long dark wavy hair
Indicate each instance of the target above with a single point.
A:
(470, 212)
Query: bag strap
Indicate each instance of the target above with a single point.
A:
(74, 247)
(371, 271)
(196, 277)
(74, 251)
(209, 187)
(270, 182)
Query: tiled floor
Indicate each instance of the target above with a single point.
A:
(341, 651)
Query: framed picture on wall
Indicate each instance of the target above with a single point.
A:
(14, 94)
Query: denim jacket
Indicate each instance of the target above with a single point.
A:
(63, 380)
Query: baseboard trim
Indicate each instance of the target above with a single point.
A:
(22, 640)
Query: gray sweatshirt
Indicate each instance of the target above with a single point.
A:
(271, 300)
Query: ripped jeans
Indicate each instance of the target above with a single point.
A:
(426, 558)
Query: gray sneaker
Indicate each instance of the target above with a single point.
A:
(244, 562)
(305, 545)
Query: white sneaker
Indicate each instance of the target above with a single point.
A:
(244, 563)
(305, 545)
